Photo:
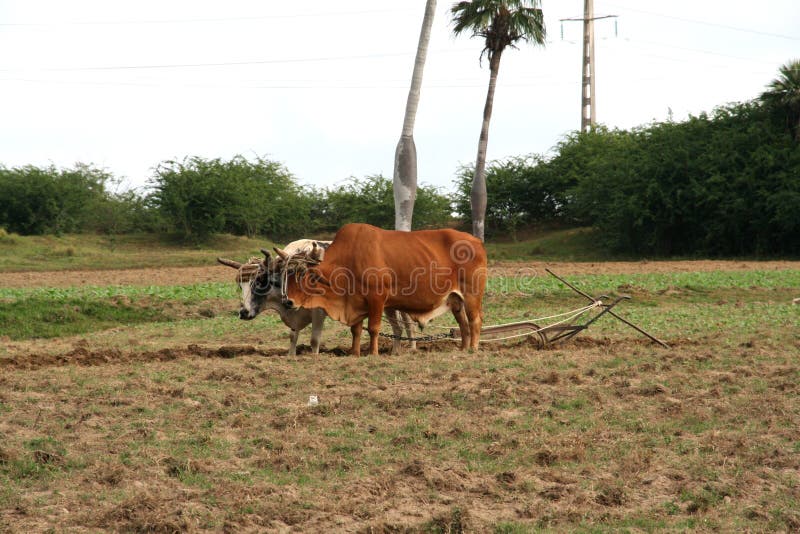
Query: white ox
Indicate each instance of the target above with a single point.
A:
(260, 282)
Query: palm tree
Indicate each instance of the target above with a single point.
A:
(501, 23)
(405, 155)
(784, 93)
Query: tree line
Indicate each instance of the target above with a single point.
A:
(197, 197)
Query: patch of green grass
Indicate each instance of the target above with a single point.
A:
(573, 244)
(628, 525)
(452, 521)
(40, 458)
(38, 317)
(51, 312)
(7, 238)
(89, 251)
(700, 500)
(542, 284)
(513, 528)
(187, 294)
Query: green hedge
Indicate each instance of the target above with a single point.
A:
(198, 197)
(724, 184)
(727, 183)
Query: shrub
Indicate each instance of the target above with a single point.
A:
(6, 238)
(198, 197)
(48, 200)
(371, 201)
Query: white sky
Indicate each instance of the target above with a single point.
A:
(321, 86)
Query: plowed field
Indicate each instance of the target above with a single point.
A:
(200, 423)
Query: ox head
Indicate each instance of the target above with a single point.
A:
(258, 281)
(301, 278)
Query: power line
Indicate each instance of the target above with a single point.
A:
(214, 64)
(712, 24)
(200, 20)
(442, 85)
(329, 58)
(688, 49)
(697, 50)
(227, 63)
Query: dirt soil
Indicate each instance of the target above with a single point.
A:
(217, 273)
(221, 439)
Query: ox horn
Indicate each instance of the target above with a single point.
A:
(281, 253)
(230, 263)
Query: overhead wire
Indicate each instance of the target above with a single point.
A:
(226, 63)
(706, 23)
(216, 64)
(322, 59)
(284, 85)
(199, 20)
(428, 85)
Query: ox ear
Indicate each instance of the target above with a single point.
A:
(315, 275)
(280, 252)
(230, 263)
(317, 252)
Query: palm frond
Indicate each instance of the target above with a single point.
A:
(785, 89)
(500, 22)
(474, 17)
(528, 23)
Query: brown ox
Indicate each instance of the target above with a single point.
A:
(423, 273)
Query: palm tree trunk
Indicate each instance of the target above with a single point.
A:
(405, 155)
(478, 196)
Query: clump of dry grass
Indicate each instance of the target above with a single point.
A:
(146, 511)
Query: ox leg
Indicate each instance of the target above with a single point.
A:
(355, 330)
(409, 326)
(397, 329)
(374, 325)
(460, 313)
(293, 334)
(317, 320)
(475, 317)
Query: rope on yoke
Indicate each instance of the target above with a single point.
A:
(296, 263)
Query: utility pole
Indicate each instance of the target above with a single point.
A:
(588, 109)
(588, 101)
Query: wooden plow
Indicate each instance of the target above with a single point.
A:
(567, 325)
